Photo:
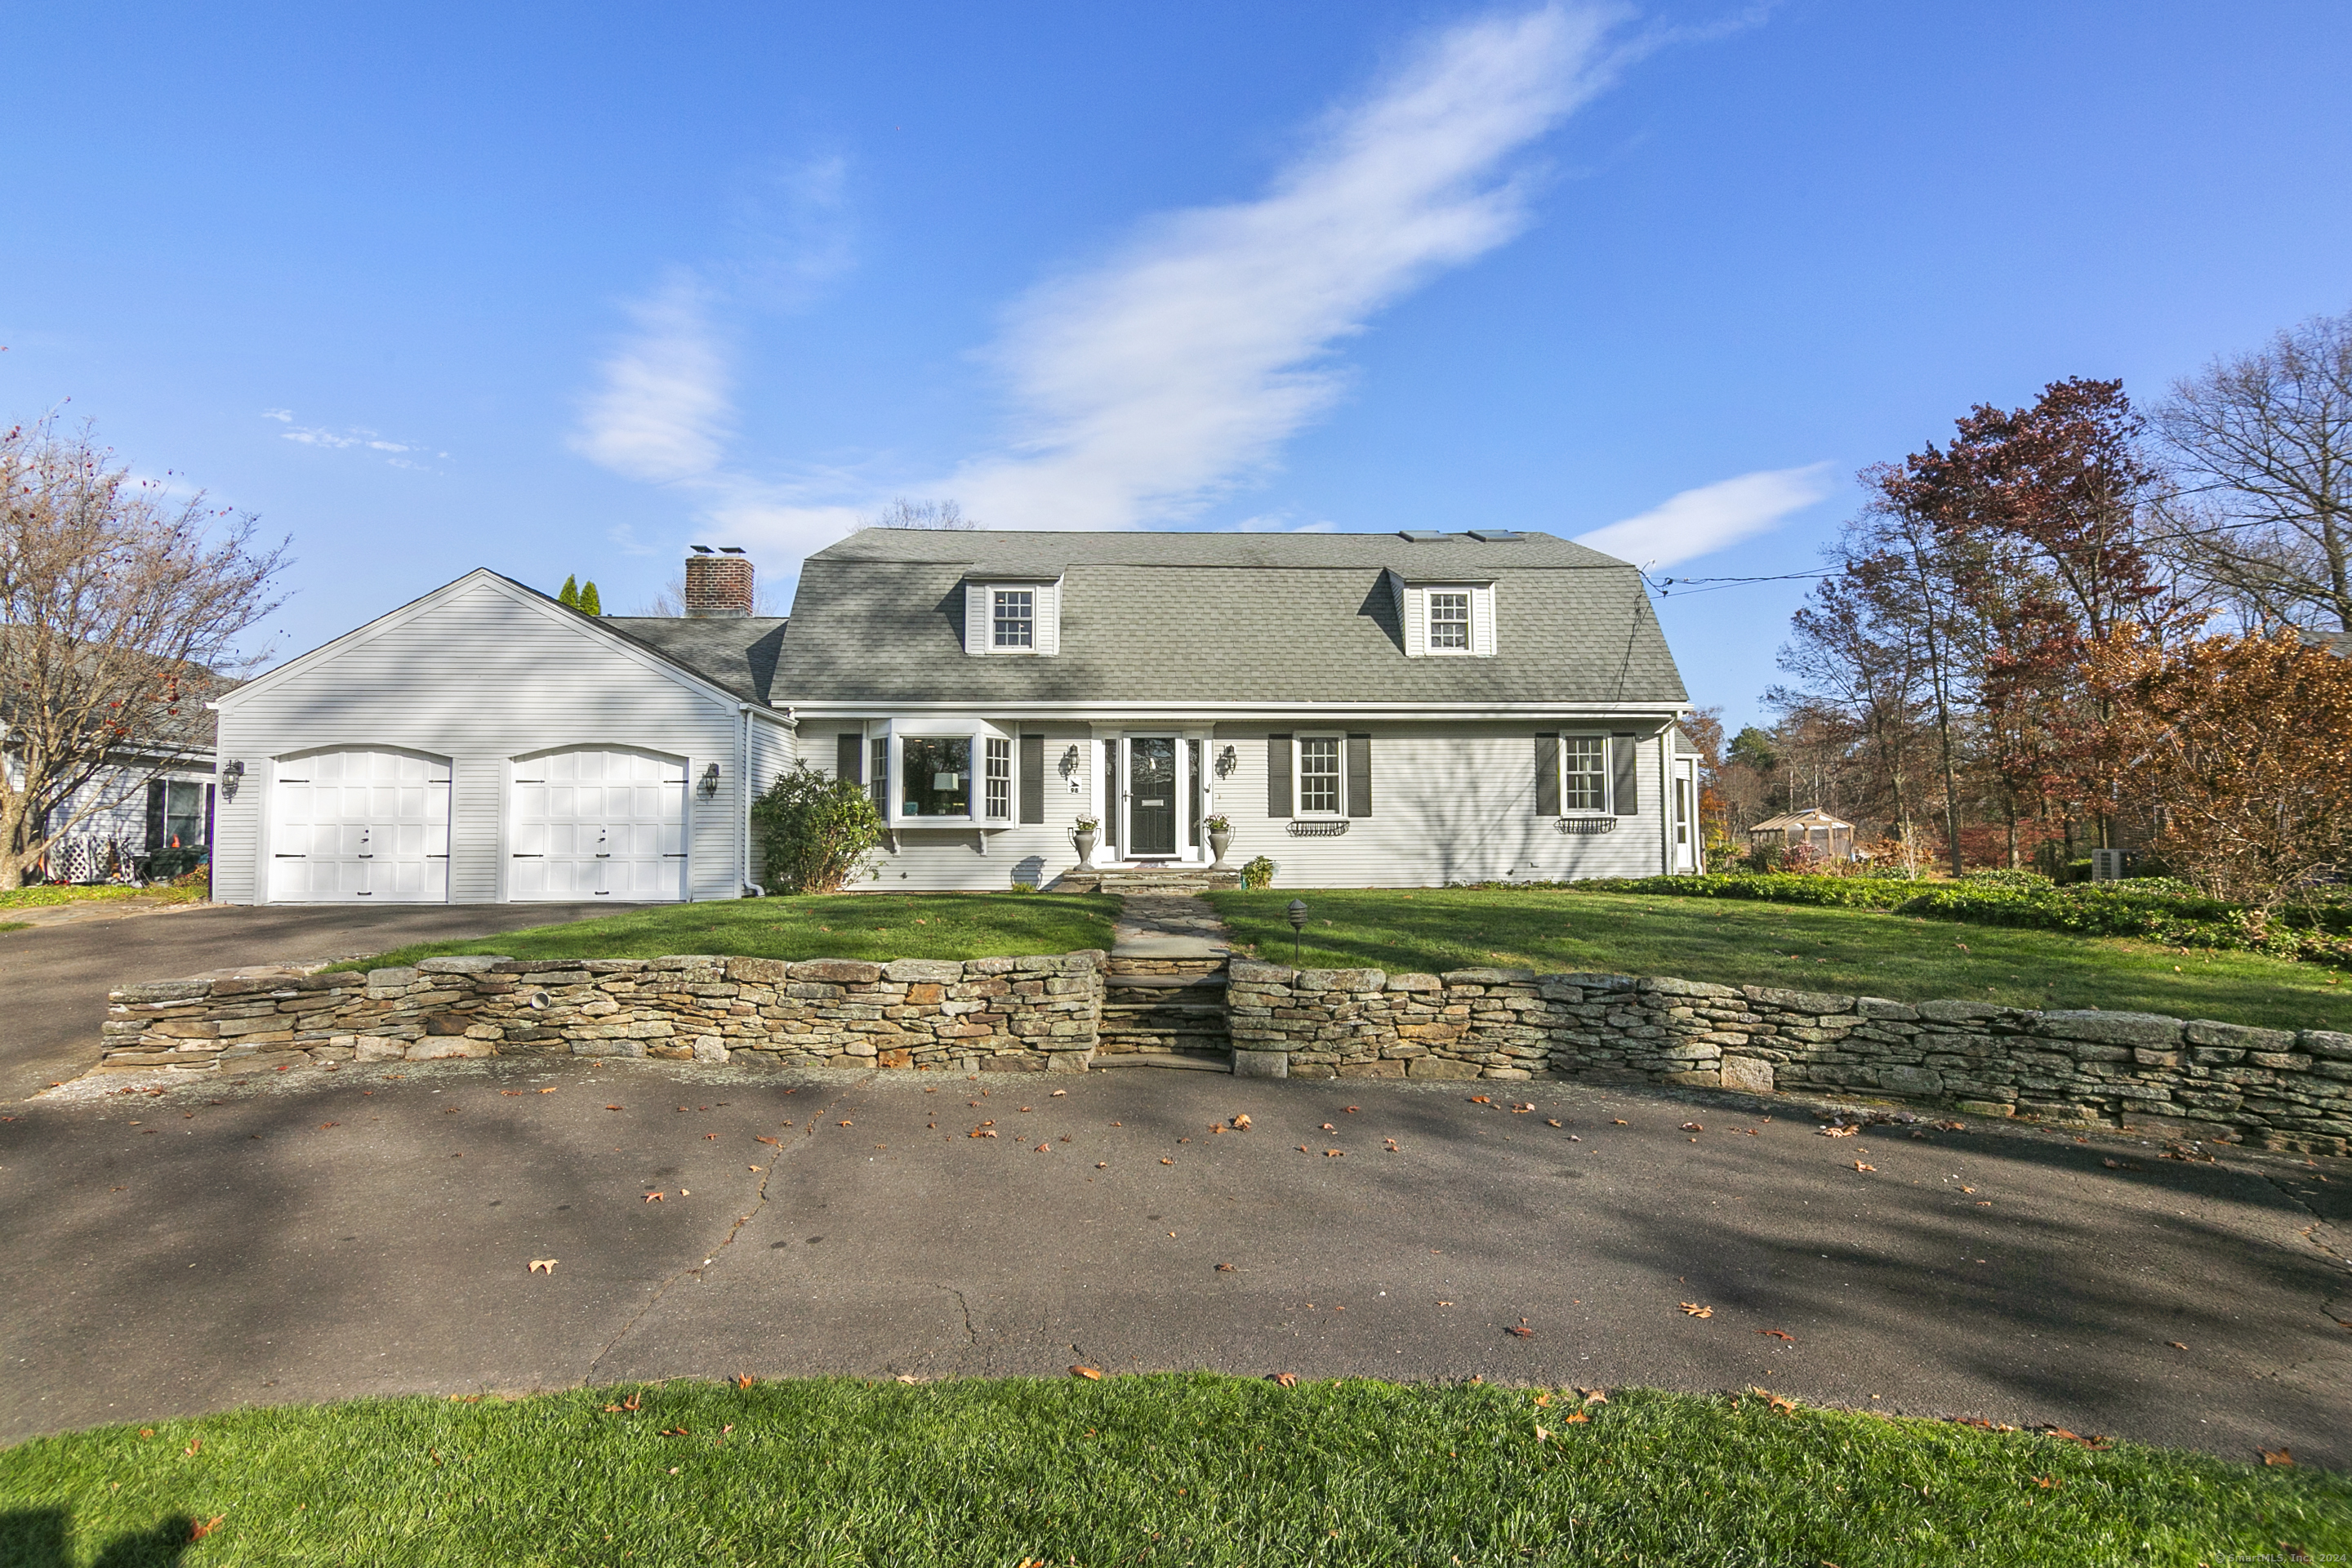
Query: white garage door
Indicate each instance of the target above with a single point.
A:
(360, 824)
(599, 824)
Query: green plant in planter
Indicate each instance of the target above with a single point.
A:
(1258, 873)
(815, 831)
(1218, 824)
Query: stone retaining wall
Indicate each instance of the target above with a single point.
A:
(982, 1013)
(2275, 1088)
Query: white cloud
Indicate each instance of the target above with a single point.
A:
(1711, 518)
(351, 437)
(663, 411)
(1154, 381)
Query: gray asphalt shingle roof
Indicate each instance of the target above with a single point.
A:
(738, 652)
(1226, 617)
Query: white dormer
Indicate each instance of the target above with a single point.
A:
(1446, 620)
(1012, 615)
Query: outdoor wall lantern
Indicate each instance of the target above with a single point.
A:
(1226, 762)
(230, 773)
(1298, 923)
(1070, 768)
(710, 781)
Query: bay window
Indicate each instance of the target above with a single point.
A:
(935, 771)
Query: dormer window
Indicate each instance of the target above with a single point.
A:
(1449, 621)
(1022, 617)
(1015, 617)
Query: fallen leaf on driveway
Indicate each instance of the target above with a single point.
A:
(762, 1138)
(543, 1265)
(845, 1124)
(1042, 1149)
(1328, 1128)
(1335, 1154)
(613, 1107)
(1242, 1122)
(1551, 1123)
(1091, 1374)
(653, 1197)
(1167, 1161)
(1619, 1122)
(1779, 1334)
(1102, 1164)
(711, 1136)
(1481, 1100)
(1839, 1131)
(551, 1088)
(1695, 1311)
(1860, 1166)
(1521, 1330)
(2277, 1456)
(1523, 1109)
(1224, 1268)
(981, 1132)
(2119, 1165)
(2176, 1344)
(510, 1091)
(1059, 1092)
(1694, 1127)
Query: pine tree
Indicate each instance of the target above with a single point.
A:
(570, 595)
(590, 605)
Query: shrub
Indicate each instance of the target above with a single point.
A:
(2023, 882)
(2159, 908)
(1774, 886)
(1258, 873)
(815, 830)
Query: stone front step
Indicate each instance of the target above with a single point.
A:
(1148, 879)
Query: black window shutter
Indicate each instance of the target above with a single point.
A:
(1277, 775)
(1548, 774)
(1360, 775)
(848, 756)
(210, 791)
(1628, 791)
(1033, 778)
(155, 790)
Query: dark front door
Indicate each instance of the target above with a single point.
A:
(1151, 796)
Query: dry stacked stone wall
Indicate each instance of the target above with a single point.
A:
(1034, 1014)
(2276, 1087)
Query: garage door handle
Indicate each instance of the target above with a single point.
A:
(604, 857)
(527, 855)
(363, 856)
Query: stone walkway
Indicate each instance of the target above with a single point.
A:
(1169, 925)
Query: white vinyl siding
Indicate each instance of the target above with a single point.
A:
(481, 675)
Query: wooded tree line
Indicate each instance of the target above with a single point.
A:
(2079, 623)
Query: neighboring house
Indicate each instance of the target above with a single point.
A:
(1396, 709)
(1830, 837)
(151, 814)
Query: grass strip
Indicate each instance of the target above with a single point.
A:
(875, 926)
(41, 897)
(1156, 1469)
(1847, 951)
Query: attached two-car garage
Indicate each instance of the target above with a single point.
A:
(369, 824)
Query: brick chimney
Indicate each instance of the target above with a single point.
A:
(718, 584)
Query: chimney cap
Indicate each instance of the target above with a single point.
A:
(731, 550)
(699, 548)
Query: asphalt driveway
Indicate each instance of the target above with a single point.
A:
(54, 979)
(371, 1231)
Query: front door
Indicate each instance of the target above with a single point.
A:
(1151, 795)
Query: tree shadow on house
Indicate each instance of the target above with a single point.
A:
(38, 1538)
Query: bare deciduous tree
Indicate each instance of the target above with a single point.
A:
(120, 607)
(2263, 447)
(944, 515)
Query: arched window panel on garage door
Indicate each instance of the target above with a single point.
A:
(360, 824)
(598, 822)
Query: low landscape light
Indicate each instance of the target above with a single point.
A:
(1298, 923)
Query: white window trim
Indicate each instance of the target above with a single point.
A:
(1608, 807)
(898, 733)
(1298, 773)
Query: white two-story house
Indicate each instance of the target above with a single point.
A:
(1364, 709)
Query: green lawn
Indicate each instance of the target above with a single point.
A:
(1849, 951)
(46, 897)
(841, 925)
(1167, 1469)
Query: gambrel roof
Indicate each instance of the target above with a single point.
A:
(1219, 617)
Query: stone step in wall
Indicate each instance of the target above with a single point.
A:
(1023, 1015)
(1165, 1006)
(2276, 1087)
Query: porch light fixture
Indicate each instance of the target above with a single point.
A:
(1297, 912)
(1226, 762)
(710, 781)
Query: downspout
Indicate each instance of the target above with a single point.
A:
(743, 801)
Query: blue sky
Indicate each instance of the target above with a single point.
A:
(560, 289)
